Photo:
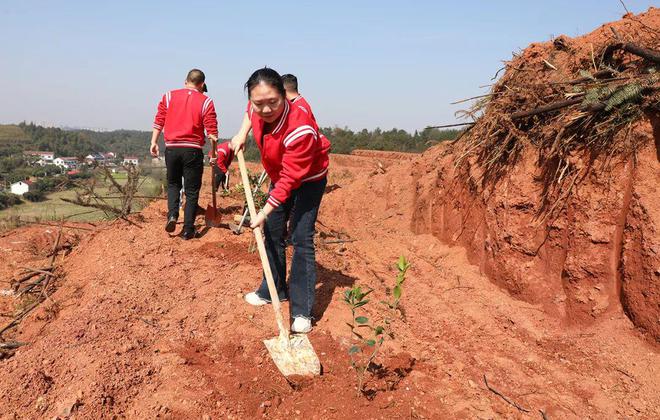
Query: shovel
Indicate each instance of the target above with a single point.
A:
(293, 355)
(211, 217)
(236, 228)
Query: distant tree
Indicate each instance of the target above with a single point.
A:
(35, 196)
(8, 200)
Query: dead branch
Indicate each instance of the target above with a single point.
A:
(46, 271)
(338, 241)
(25, 278)
(458, 287)
(631, 48)
(11, 345)
(474, 97)
(498, 393)
(19, 317)
(430, 127)
(88, 197)
(546, 108)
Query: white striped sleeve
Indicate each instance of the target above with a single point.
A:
(298, 133)
(273, 201)
(207, 102)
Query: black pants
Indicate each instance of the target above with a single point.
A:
(186, 163)
(220, 178)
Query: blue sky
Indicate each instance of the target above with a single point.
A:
(361, 64)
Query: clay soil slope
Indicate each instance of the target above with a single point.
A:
(148, 326)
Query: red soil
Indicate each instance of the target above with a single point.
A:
(144, 325)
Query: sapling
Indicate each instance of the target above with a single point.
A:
(355, 298)
(402, 266)
(368, 343)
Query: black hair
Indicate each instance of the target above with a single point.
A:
(267, 76)
(290, 81)
(196, 77)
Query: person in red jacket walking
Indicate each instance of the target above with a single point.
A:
(291, 86)
(223, 158)
(183, 116)
(293, 156)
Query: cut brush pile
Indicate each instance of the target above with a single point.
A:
(553, 187)
(569, 102)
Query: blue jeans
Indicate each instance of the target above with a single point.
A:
(301, 208)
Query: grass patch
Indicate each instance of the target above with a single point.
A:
(53, 208)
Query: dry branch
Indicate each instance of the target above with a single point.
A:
(631, 48)
(498, 393)
(11, 345)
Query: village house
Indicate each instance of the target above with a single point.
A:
(20, 187)
(66, 162)
(131, 160)
(40, 158)
(95, 158)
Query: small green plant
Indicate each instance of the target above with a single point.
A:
(259, 197)
(367, 345)
(402, 266)
(368, 336)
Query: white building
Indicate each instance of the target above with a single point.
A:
(131, 160)
(20, 187)
(66, 162)
(47, 157)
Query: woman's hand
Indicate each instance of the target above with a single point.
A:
(262, 215)
(238, 142)
(259, 221)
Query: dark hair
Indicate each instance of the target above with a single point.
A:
(196, 77)
(267, 76)
(290, 81)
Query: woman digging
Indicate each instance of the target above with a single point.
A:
(296, 163)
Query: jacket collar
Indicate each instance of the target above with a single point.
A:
(280, 122)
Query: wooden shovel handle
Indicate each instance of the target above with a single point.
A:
(258, 234)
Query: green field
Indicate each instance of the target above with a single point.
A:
(54, 208)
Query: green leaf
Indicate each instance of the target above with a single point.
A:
(364, 302)
(353, 350)
(401, 264)
(397, 292)
(362, 320)
(370, 343)
(379, 330)
(365, 294)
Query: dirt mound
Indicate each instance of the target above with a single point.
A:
(582, 246)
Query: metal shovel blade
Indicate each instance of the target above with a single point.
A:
(211, 217)
(294, 356)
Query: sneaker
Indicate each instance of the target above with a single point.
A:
(188, 234)
(170, 225)
(253, 299)
(301, 325)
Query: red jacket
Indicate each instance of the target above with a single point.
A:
(302, 102)
(183, 115)
(292, 153)
(225, 156)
